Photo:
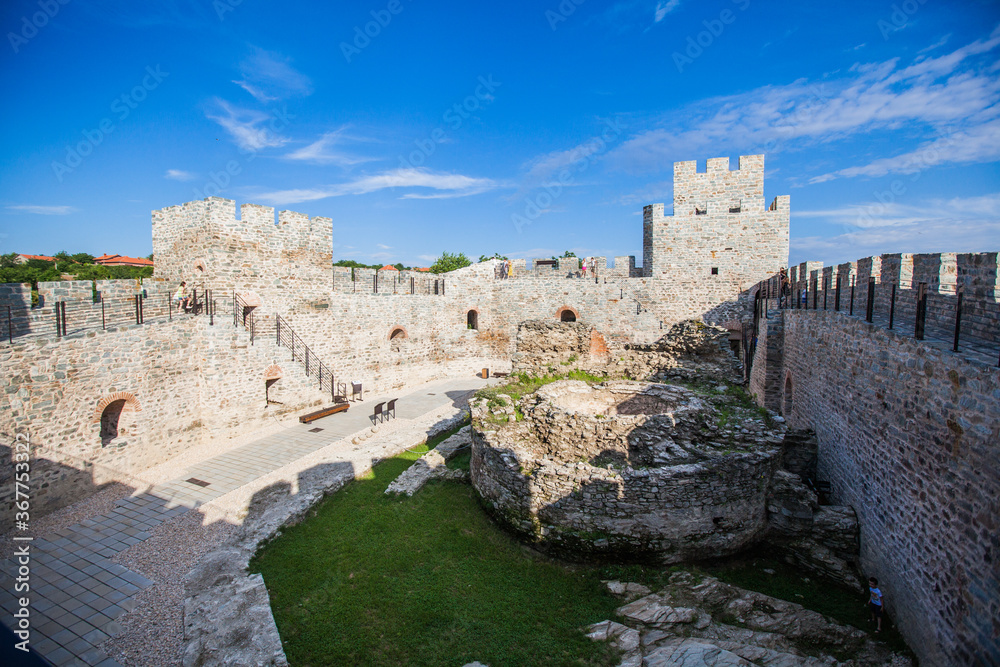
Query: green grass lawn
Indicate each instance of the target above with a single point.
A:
(427, 580)
(430, 580)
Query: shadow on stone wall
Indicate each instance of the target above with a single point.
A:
(52, 485)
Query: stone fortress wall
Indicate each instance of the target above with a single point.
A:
(908, 432)
(195, 381)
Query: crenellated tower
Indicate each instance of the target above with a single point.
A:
(720, 237)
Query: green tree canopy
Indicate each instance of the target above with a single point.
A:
(496, 255)
(449, 262)
(8, 261)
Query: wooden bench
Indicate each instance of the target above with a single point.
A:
(325, 412)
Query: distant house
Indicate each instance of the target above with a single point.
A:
(388, 267)
(421, 268)
(21, 259)
(122, 260)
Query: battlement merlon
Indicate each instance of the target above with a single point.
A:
(294, 229)
(719, 188)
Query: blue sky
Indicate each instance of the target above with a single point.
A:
(520, 128)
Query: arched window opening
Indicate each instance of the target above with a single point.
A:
(109, 420)
(396, 334)
(567, 316)
(472, 320)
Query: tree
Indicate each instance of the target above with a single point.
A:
(496, 255)
(83, 258)
(449, 262)
(569, 254)
(8, 261)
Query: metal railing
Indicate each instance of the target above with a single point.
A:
(278, 329)
(944, 318)
(71, 316)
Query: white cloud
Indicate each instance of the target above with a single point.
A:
(383, 246)
(961, 224)
(939, 43)
(976, 145)
(322, 151)
(929, 94)
(179, 175)
(244, 126)
(42, 210)
(663, 8)
(269, 77)
(448, 185)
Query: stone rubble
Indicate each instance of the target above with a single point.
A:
(699, 623)
(432, 465)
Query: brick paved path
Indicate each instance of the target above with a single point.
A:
(78, 593)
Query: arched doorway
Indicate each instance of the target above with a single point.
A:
(567, 316)
(109, 420)
(472, 319)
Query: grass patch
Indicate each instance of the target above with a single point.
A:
(429, 580)
(522, 384)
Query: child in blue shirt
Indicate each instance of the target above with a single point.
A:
(875, 603)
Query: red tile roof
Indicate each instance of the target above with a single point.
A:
(388, 267)
(122, 260)
(45, 258)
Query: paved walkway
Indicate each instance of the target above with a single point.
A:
(78, 593)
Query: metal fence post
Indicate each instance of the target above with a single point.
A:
(853, 281)
(836, 298)
(958, 316)
(10, 329)
(918, 325)
(815, 291)
(870, 309)
(103, 322)
(826, 289)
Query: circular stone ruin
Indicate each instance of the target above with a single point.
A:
(624, 469)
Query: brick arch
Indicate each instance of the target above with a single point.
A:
(563, 309)
(131, 404)
(397, 332)
(273, 372)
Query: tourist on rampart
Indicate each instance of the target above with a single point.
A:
(784, 287)
(875, 603)
(181, 296)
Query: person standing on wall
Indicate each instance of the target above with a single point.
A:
(181, 296)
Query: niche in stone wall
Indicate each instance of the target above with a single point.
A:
(396, 337)
(786, 397)
(272, 374)
(567, 314)
(109, 412)
(472, 319)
